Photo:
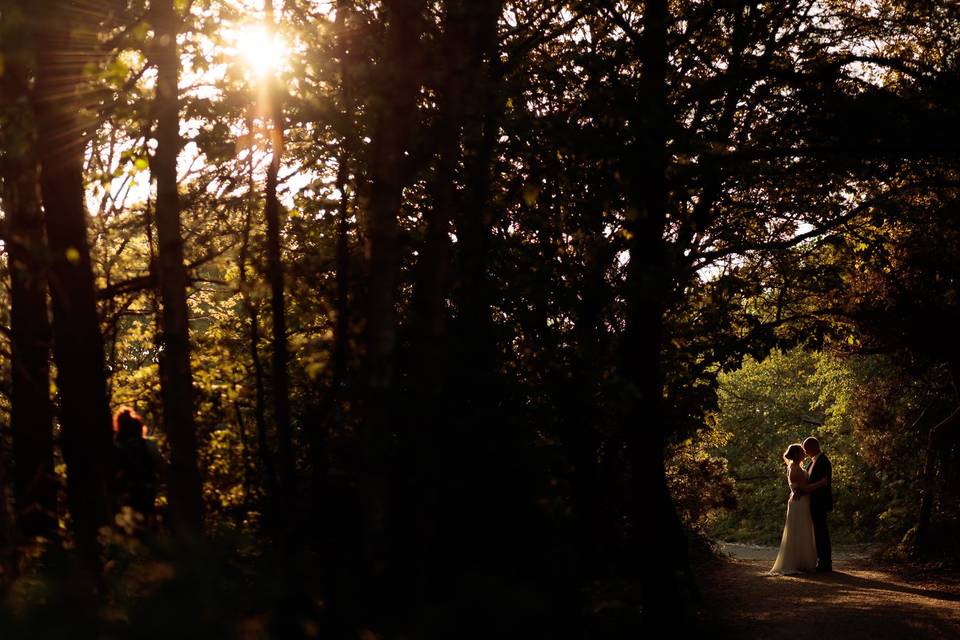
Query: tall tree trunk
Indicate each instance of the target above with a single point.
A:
(474, 297)
(279, 376)
(399, 84)
(78, 342)
(480, 434)
(425, 464)
(330, 406)
(269, 472)
(342, 262)
(941, 435)
(337, 533)
(176, 376)
(392, 138)
(577, 399)
(433, 268)
(659, 538)
(31, 421)
(8, 537)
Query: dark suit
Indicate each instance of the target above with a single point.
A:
(821, 503)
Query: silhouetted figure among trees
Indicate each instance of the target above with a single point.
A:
(138, 466)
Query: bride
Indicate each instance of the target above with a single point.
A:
(798, 552)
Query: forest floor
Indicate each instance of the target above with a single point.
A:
(862, 598)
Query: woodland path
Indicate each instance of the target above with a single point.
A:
(859, 600)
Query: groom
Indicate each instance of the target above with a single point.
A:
(821, 500)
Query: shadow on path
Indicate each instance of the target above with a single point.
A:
(855, 602)
(855, 582)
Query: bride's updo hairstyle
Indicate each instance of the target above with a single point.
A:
(794, 453)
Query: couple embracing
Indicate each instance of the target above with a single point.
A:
(805, 545)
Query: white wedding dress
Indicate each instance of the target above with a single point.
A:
(798, 550)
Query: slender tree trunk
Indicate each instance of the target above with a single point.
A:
(433, 267)
(253, 325)
(347, 148)
(31, 420)
(392, 136)
(425, 467)
(595, 519)
(332, 524)
(659, 537)
(176, 377)
(597, 522)
(473, 374)
(279, 375)
(432, 271)
(78, 342)
(12, 183)
(941, 435)
(330, 406)
(342, 262)
(474, 297)
(8, 536)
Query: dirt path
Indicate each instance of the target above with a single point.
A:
(857, 601)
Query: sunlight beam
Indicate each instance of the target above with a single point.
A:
(263, 51)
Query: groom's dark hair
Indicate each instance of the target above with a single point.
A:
(811, 443)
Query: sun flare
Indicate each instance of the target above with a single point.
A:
(262, 50)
